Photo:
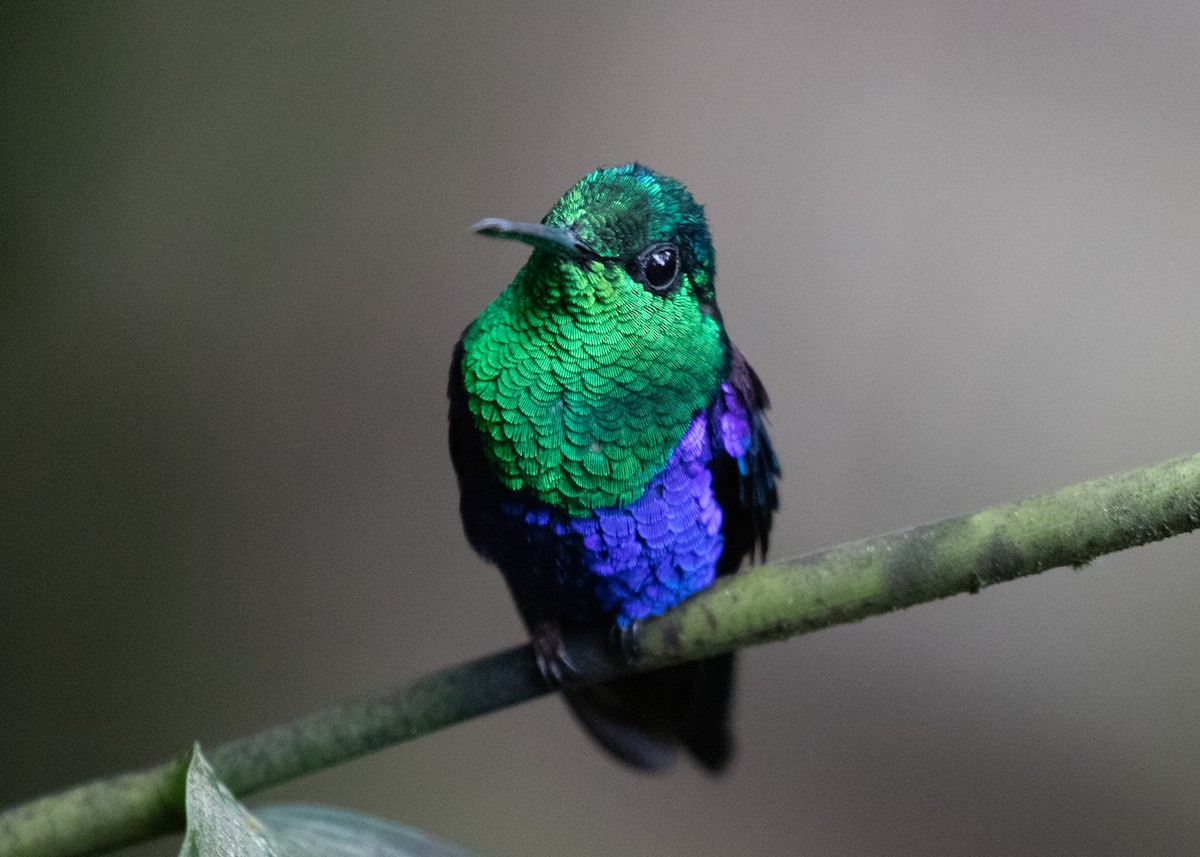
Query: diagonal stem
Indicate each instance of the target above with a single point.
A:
(1069, 527)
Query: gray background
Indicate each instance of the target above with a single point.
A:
(958, 240)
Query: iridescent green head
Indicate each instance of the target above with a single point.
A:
(584, 374)
(630, 218)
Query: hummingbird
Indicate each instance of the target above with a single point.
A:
(610, 447)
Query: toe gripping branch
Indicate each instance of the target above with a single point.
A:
(585, 656)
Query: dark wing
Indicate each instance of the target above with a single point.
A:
(463, 447)
(744, 469)
(744, 465)
(475, 484)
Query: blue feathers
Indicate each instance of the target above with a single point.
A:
(658, 355)
(629, 562)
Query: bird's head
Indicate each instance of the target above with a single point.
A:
(622, 233)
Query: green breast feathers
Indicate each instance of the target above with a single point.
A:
(581, 387)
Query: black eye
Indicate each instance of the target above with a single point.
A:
(657, 267)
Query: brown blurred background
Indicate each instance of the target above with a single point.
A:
(960, 242)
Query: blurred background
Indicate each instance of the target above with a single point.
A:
(960, 243)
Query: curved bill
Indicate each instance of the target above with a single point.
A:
(555, 239)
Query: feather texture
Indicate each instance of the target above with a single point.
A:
(610, 447)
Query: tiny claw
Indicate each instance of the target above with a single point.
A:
(550, 653)
(627, 641)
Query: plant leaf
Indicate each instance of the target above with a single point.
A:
(218, 825)
(323, 830)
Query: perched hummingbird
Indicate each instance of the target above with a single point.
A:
(610, 448)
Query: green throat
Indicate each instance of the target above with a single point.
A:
(581, 382)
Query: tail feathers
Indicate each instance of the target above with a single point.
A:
(707, 733)
(619, 733)
(645, 720)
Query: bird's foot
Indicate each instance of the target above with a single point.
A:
(550, 653)
(626, 642)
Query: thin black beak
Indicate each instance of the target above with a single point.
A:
(555, 239)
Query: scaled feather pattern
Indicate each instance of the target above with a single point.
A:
(610, 445)
(638, 560)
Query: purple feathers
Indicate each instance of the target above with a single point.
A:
(641, 559)
(618, 308)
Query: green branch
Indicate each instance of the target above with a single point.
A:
(1071, 527)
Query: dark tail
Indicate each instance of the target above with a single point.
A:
(644, 720)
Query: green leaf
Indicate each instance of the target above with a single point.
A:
(333, 832)
(218, 825)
